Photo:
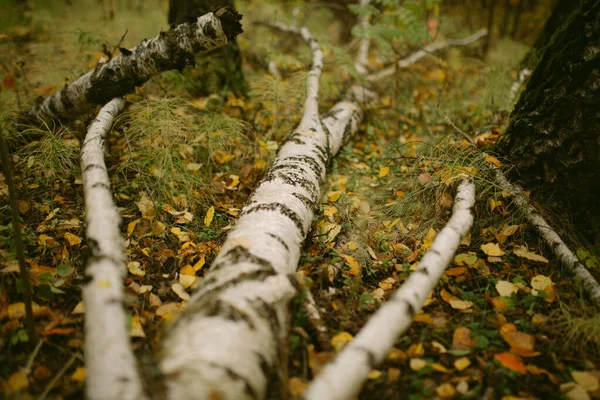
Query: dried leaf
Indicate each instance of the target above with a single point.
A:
(462, 363)
(492, 249)
(511, 362)
(18, 381)
(417, 364)
(587, 381)
(340, 340)
(462, 340)
(523, 253)
(180, 291)
(506, 288)
(135, 268)
(73, 240)
(383, 171)
(146, 207)
(210, 213)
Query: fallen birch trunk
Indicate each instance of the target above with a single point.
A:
(110, 363)
(552, 239)
(173, 49)
(231, 339)
(345, 375)
(430, 48)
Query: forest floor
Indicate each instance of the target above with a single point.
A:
(506, 321)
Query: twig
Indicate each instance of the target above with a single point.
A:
(57, 377)
(16, 221)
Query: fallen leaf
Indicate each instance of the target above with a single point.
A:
(374, 374)
(429, 238)
(445, 390)
(157, 228)
(79, 374)
(73, 240)
(354, 266)
(136, 328)
(506, 288)
(18, 381)
(169, 310)
(523, 253)
(417, 364)
(146, 207)
(587, 381)
(180, 291)
(135, 268)
(334, 196)
(462, 363)
(574, 391)
(511, 362)
(210, 213)
(493, 160)
(462, 340)
(454, 301)
(340, 340)
(383, 171)
(456, 271)
(492, 249)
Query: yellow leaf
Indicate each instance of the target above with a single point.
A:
(146, 207)
(586, 380)
(134, 268)
(506, 288)
(260, 164)
(492, 249)
(541, 282)
(462, 363)
(131, 227)
(180, 291)
(387, 284)
(383, 171)
(187, 280)
(18, 381)
(354, 266)
(157, 228)
(79, 374)
(73, 240)
(220, 157)
(45, 240)
(235, 180)
(493, 160)
(136, 328)
(209, 216)
(334, 196)
(417, 364)
(351, 245)
(340, 340)
(169, 310)
(375, 374)
(79, 308)
(439, 368)
(429, 237)
(198, 266)
(187, 270)
(416, 350)
(523, 253)
(445, 390)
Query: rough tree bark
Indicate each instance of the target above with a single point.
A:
(169, 50)
(229, 73)
(231, 340)
(110, 363)
(554, 134)
(343, 378)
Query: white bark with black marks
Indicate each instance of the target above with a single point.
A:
(232, 337)
(552, 239)
(362, 58)
(110, 363)
(344, 376)
(417, 55)
(173, 49)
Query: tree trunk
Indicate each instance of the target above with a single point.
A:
(554, 134)
(169, 50)
(560, 13)
(227, 71)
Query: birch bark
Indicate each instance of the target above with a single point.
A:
(430, 48)
(552, 239)
(110, 363)
(231, 339)
(173, 49)
(345, 375)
